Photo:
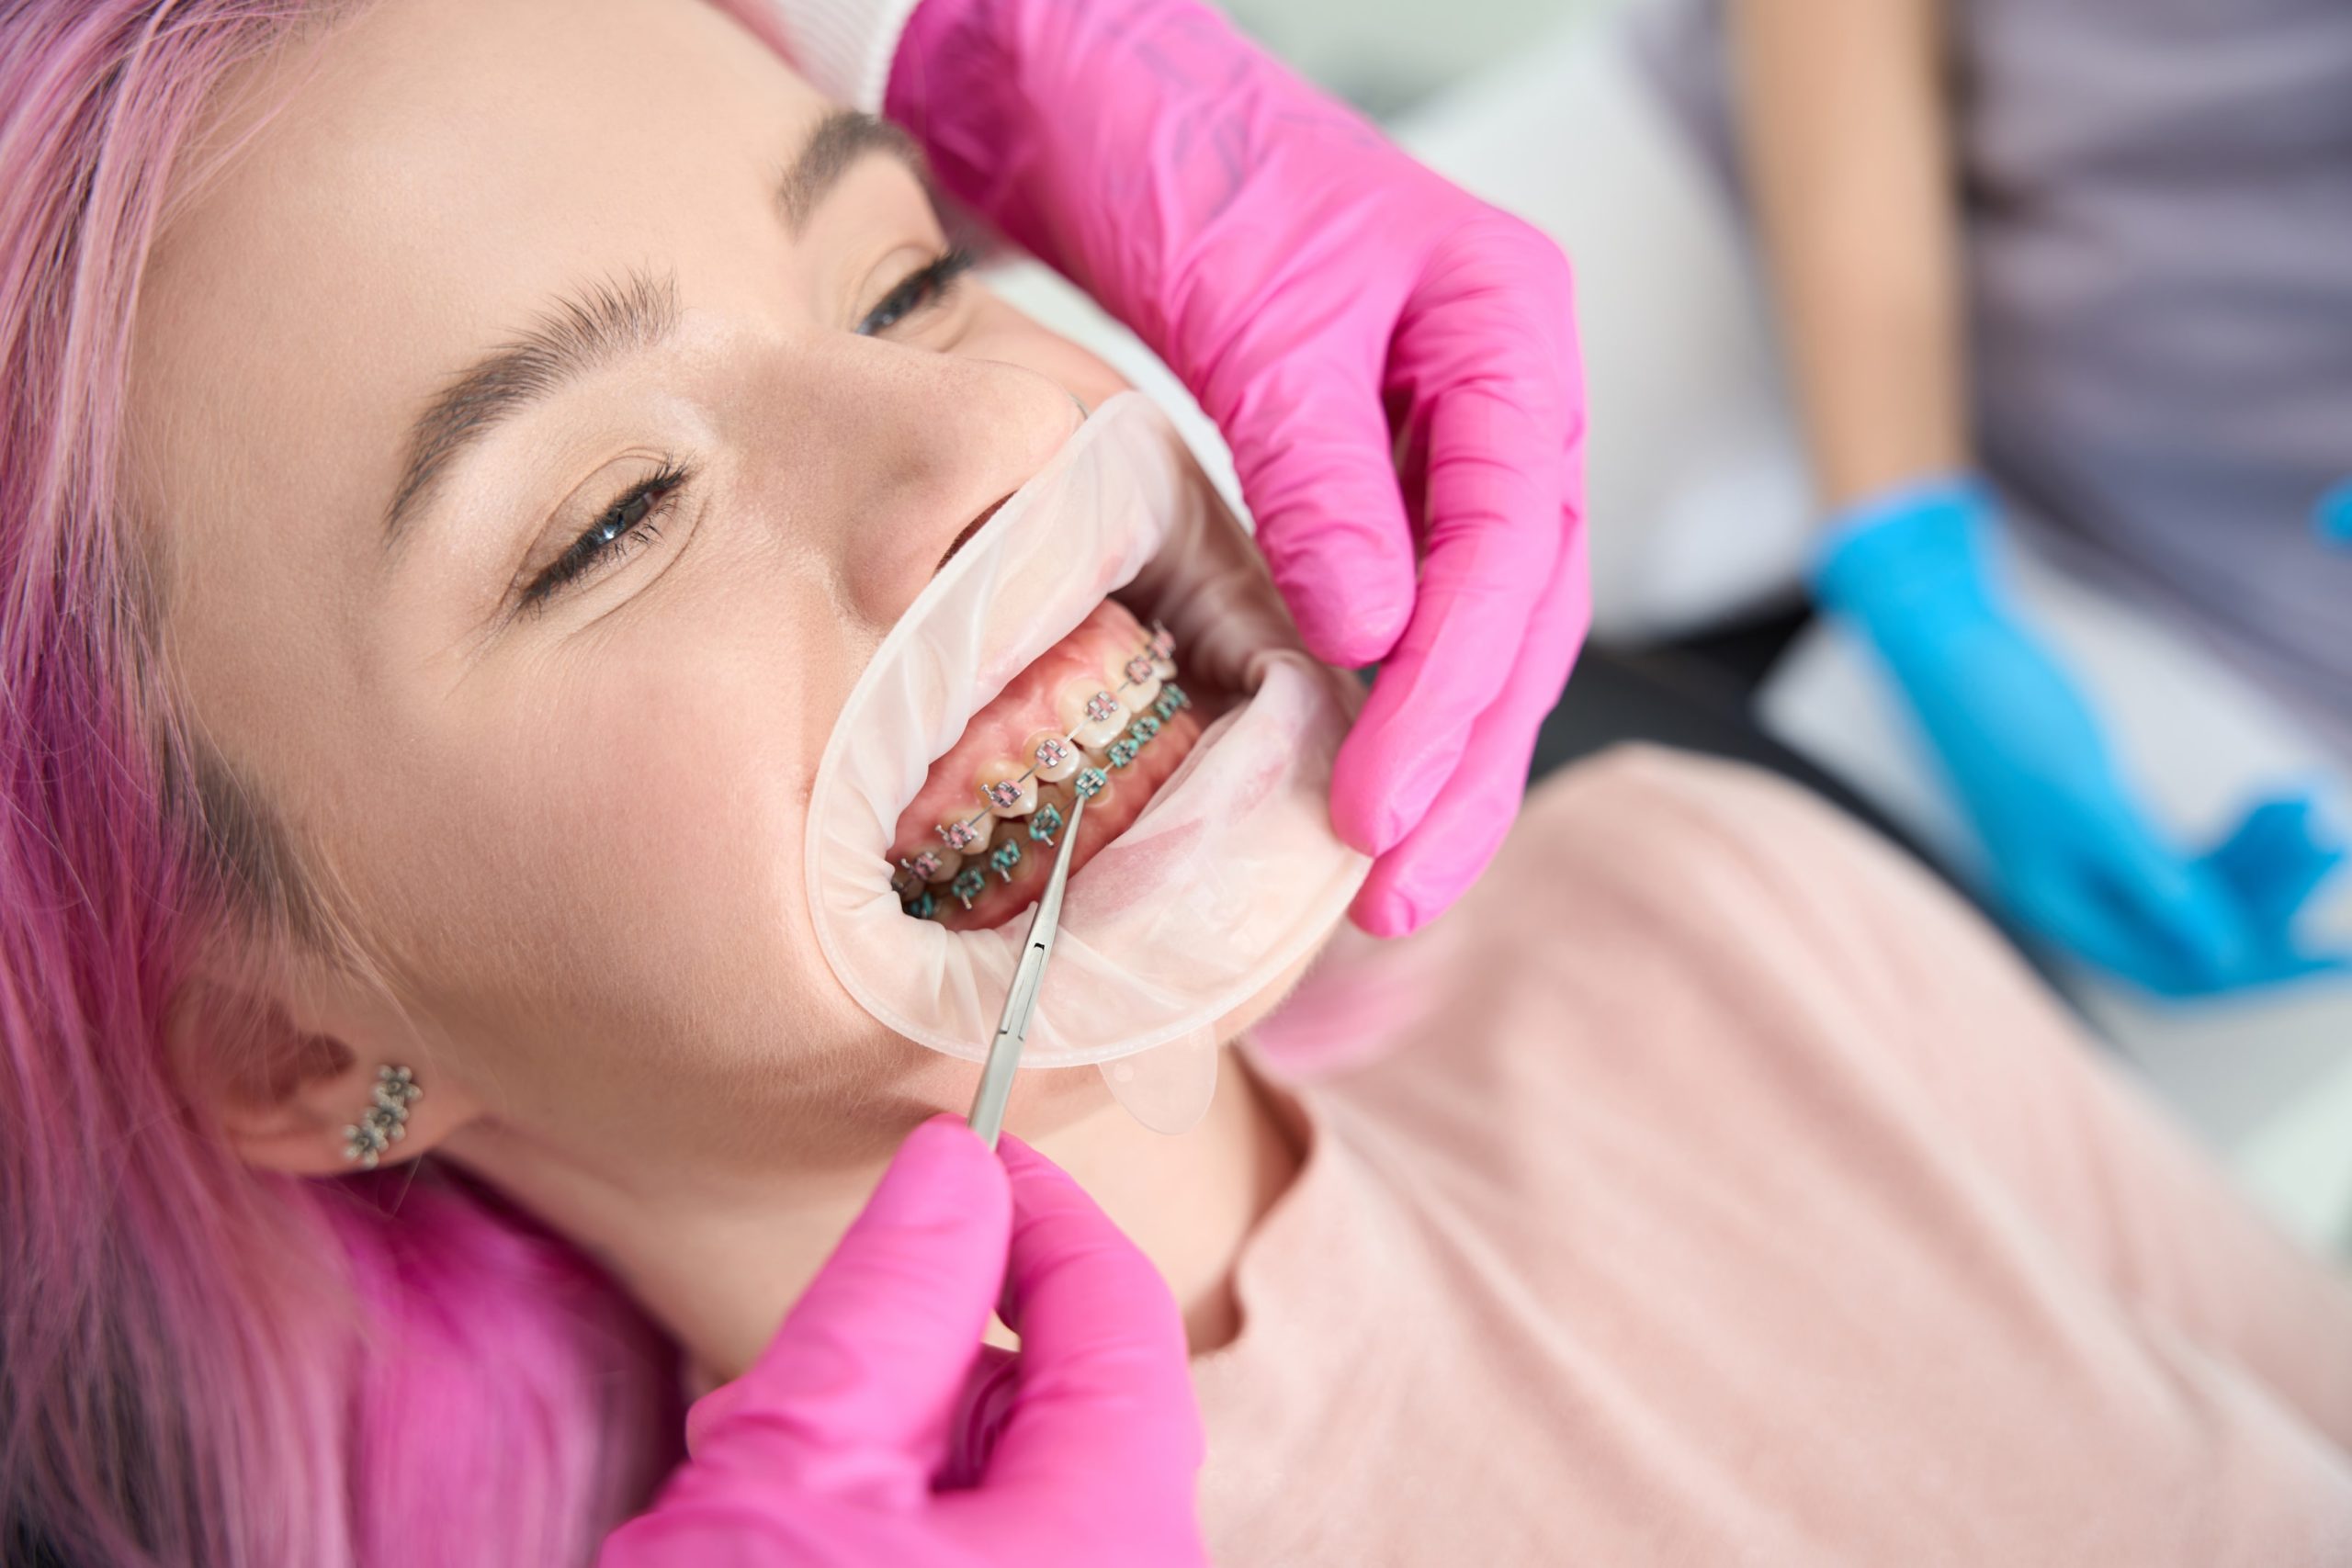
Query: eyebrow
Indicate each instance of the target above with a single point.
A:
(841, 139)
(578, 332)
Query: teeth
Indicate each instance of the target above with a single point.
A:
(932, 865)
(968, 835)
(1053, 758)
(1136, 680)
(1092, 716)
(1105, 727)
(1007, 790)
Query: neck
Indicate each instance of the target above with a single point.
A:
(719, 1257)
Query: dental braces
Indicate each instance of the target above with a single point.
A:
(924, 867)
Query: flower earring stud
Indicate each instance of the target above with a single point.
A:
(385, 1122)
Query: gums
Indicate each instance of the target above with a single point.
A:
(1099, 712)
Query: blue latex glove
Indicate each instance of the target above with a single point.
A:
(2332, 515)
(2071, 854)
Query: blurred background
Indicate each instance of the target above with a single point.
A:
(1387, 56)
(1605, 123)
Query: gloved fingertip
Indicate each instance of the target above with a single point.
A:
(1376, 826)
(1350, 631)
(943, 1138)
(935, 1179)
(1363, 810)
(1384, 912)
(942, 1127)
(1018, 1156)
(1348, 646)
(1360, 833)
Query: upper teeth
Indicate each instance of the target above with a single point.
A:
(1014, 796)
(970, 835)
(934, 865)
(1100, 717)
(1136, 681)
(1096, 720)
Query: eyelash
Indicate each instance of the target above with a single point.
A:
(918, 291)
(631, 516)
(633, 513)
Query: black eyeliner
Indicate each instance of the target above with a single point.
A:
(918, 290)
(630, 514)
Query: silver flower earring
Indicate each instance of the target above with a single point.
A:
(385, 1122)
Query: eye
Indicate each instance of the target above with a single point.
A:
(922, 287)
(632, 515)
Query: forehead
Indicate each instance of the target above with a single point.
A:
(408, 187)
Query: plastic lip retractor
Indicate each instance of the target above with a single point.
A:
(1028, 976)
(1229, 877)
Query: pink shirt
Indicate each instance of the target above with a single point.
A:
(1710, 1188)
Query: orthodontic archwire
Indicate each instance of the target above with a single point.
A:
(1160, 647)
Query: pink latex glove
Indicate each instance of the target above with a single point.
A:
(1341, 312)
(876, 1432)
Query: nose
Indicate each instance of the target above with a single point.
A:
(897, 453)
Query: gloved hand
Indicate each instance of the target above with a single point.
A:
(2070, 853)
(1338, 309)
(2332, 515)
(873, 1431)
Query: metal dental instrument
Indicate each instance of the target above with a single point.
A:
(1028, 977)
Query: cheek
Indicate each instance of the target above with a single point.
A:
(598, 891)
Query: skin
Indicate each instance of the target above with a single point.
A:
(1844, 132)
(568, 837)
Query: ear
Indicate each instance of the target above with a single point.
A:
(285, 1078)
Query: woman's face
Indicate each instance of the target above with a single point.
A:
(546, 414)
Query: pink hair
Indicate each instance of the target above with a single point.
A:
(200, 1363)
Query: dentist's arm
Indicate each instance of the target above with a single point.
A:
(1848, 160)
(875, 1433)
(1844, 120)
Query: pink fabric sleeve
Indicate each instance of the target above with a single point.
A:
(2078, 1145)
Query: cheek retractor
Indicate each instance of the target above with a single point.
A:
(1231, 875)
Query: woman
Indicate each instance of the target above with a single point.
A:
(1704, 1187)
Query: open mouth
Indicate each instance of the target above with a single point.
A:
(1112, 628)
(1099, 714)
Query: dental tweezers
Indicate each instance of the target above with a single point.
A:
(1028, 976)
